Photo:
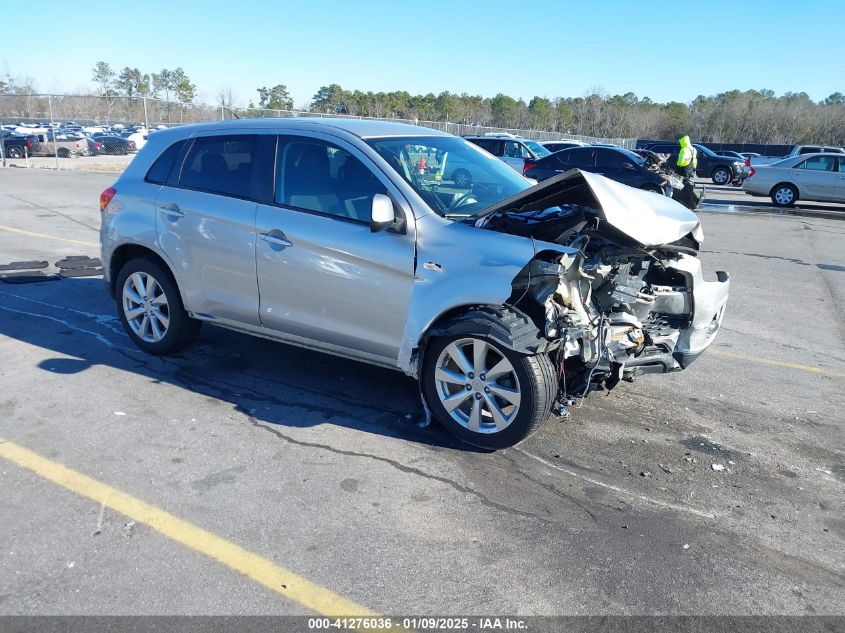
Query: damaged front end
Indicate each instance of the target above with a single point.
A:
(628, 297)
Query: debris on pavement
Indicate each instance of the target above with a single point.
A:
(119, 413)
(666, 469)
(645, 473)
(128, 528)
(717, 467)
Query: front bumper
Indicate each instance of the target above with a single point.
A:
(709, 299)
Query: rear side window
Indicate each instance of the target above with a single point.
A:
(221, 164)
(610, 159)
(819, 163)
(809, 150)
(490, 145)
(163, 165)
(578, 156)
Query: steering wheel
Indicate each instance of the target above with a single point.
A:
(461, 200)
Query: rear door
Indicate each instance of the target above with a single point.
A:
(817, 177)
(206, 223)
(324, 278)
(839, 192)
(612, 164)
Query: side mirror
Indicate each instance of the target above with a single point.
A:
(382, 215)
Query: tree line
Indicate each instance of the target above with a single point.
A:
(751, 116)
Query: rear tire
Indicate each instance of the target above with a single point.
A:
(462, 178)
(14, 152)
(489, 411)
(63, 152)
(150, 308)
(784, 195)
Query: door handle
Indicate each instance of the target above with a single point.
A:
(172, 210)
(276, 237)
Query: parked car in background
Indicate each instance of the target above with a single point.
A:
(815, 177)
(512, 150)
(139, 137)
(798, 150)
(615, 163)
(113, 144)
(556, 146)
(722, 170)
(17, 145)
(325, 233)
(747, 155)
(731, 154)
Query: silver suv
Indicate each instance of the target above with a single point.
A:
(505, 300)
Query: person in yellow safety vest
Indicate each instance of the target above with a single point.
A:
(687, 157)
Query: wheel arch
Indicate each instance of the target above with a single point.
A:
(127, 252)
(785, 183)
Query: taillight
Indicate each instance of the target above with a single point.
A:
(98, 146)
(528, 166)
(748, 162)
(752, 172)
(28, 144)
(106, 197)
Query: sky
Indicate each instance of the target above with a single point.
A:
(668, 51)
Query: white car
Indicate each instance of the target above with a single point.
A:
(817, 177)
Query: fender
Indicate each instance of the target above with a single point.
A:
(480, 276)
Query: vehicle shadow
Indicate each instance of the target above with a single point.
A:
(272, 383)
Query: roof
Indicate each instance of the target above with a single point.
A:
(363, 128)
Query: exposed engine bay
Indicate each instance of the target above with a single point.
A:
(612, 306)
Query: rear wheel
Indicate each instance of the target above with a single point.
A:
(150, 308)
(483, 392)
(462, 178)
(63, 152)
(14, 152)
(784, 195)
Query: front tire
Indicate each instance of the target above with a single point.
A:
(150, 308)
(784, 195)
(483, 392)
(721, 176)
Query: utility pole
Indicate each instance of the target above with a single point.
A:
(53, 131)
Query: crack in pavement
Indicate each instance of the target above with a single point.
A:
(485, 500)
(53, 210)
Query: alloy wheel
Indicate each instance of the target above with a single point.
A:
(145, 307)
(477, 385)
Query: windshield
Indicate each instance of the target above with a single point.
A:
(539, 150)
(453, 176)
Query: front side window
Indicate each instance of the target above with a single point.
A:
(455, 178)
(318, 176)
(610, 159)
(819, 163)
(221, 164)
(809, 149)
(578, 157)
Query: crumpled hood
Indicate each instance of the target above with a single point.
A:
(648, 218)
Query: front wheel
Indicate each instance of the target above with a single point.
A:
(485, 393)
(721, 176)
(150, 308)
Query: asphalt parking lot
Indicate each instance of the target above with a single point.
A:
(266, 479)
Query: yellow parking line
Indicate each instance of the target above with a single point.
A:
(776, 363)
(44, 235)
(259, 569)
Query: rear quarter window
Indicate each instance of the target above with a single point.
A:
(163, 165)
(222, 165)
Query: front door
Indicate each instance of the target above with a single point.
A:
(817, 177)
(324, 278)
